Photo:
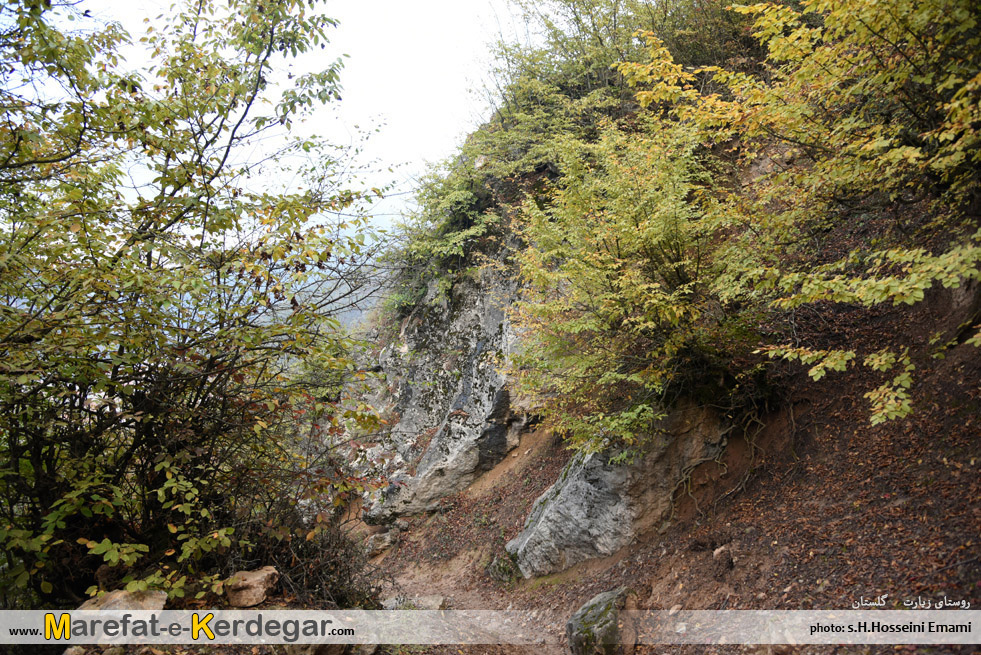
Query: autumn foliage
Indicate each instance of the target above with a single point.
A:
(170, 358)
(681, 207)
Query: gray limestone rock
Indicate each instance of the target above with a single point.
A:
(594, 628)
(377, 544)
(584, 515)
(596, 508)
(449, 404)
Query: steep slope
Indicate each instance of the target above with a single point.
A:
(449, 408)
(814, 511)
(745, 295)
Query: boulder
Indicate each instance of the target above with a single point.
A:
(594, 629)
(377, 544)
(127, 600)
(249, 588)
(596, 507)
(584, 515)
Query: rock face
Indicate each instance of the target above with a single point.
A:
(127, 600)
(449, 405)
(582, 516)
(596, 508)
(594, 629)
(452, 417)
(249, 588)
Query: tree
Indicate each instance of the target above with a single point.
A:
(168, 298)
(617, 315)
(610, 204)
(866, 113)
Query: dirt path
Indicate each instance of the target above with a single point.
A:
(446, 554)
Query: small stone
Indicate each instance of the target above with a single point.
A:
(393, 603)
(377, 544)
(249, 588)
(416, 603)
(75, 650)
(595, 629)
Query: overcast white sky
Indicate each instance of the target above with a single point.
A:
(416, 70)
